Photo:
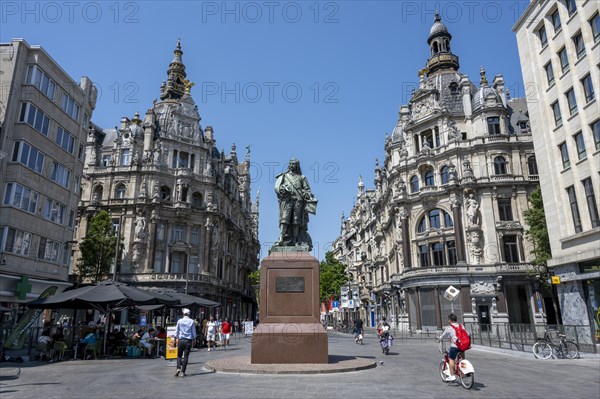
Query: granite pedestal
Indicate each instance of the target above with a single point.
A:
(289, 330)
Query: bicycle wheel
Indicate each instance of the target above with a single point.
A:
(570, 350)
(467, 380)
(443, 367)
(542, 350)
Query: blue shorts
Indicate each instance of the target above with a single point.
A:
(453, 352)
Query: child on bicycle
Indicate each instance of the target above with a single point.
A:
(449, 332)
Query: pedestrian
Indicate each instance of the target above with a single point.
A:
(210, 332)
(226, 332)
(185, 335)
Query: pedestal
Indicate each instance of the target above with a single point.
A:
(289, 330)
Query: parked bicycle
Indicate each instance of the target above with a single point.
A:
(463, 369)
(544, 348)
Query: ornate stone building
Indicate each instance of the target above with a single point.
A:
(182, 206)
(447, 206)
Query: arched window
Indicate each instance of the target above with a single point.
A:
(429, 181)
(435, 48)
(499, 165)
(532, 165)
(414, 184)
(120, 191)
(444, 174)
(98, 192)
(197, 200)
(434, 219)
(447, 220)
(448, 45)
(422, 225)
(165, 193)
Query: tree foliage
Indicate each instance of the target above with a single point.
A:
(97, 248)
(332, 277)
(538, 229)
(537, 233)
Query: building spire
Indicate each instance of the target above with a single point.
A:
(176, 84)
(483, 81)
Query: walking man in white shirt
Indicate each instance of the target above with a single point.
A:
(185, 335)
(211, 332)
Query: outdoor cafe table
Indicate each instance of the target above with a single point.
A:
(157, 341)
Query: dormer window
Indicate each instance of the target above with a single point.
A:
(493, 125)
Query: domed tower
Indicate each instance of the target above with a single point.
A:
(439, 43)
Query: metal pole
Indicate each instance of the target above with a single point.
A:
(114, 274)
(187, 272)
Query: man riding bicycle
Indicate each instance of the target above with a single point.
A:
(449, 332)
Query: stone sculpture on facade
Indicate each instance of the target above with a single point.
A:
(472, 206)
(140, 227)
(296, 201)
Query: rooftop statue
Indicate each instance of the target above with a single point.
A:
(296, 201)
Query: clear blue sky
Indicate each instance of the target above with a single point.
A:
(320, 81)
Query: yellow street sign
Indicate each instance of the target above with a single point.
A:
(555, 279)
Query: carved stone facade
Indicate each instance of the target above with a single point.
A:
(447, 207)
(183, 206)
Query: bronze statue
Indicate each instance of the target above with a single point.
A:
(296, 201)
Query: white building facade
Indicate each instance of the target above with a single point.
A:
(559, 47)
(447, 206)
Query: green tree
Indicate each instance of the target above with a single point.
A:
(537, 233)
(254, 279)
(332, 277)
(97, 248)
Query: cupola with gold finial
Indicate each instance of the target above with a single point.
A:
(439, 43)
(176, 84)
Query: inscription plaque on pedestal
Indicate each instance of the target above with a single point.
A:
(289, 284)
(289, 330)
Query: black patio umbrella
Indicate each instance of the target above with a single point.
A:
(186, 300)
(105, 297)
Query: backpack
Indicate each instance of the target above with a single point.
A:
(463, 341)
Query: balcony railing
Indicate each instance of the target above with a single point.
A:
(470, 269)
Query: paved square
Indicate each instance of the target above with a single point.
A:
(410, 370)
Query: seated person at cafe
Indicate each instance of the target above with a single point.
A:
(43, 343)
(90, 338)
(58, 336)
(137, 336)
(162, 333)
(145, 338)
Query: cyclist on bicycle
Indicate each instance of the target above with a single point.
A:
(449, 332)
(358, 330)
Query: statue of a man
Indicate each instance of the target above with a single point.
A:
(296, 201)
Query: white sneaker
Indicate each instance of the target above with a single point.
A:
(450, 378)
(208, 349)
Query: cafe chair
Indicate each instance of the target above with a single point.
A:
(59, 350)
(42, 349)
(93, 348)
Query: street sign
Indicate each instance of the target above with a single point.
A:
(555, 279)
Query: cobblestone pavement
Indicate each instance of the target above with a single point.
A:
(410, 370)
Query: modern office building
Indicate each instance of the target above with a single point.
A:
(182, 206)
(559, 47)
(44, 115)
(447, 206)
